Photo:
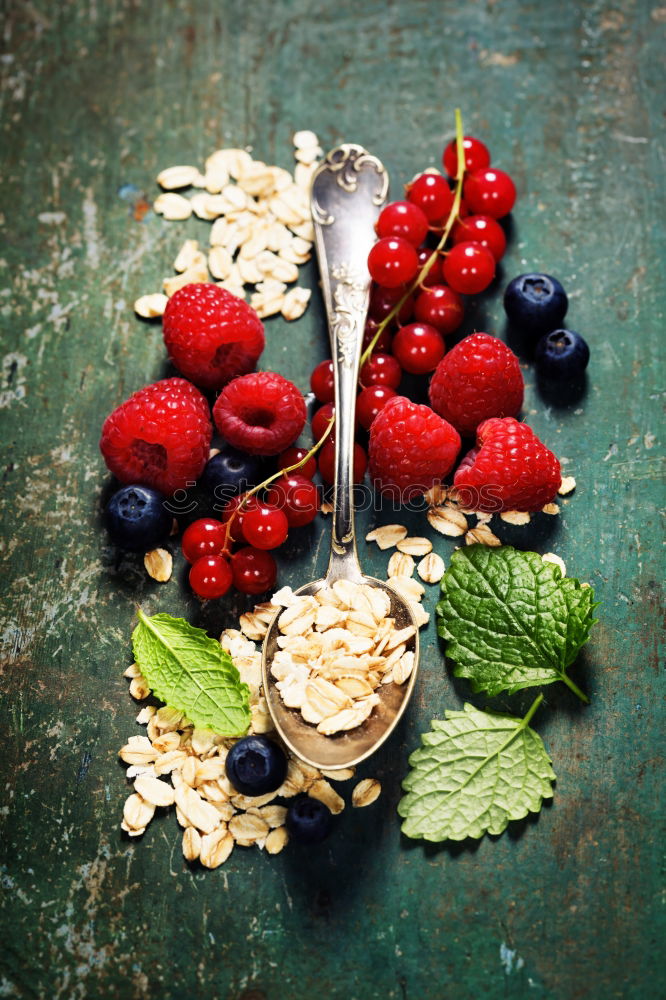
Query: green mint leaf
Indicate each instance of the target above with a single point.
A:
(511, 620)
(475, 772)
(189, 671)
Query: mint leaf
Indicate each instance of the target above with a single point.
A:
(189, 671)
(511, 620)
(474, 773)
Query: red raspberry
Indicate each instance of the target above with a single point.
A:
(211, 335)
(510, 469)
(261, 414)
(159, 437)
(411, 448)
(478, 379)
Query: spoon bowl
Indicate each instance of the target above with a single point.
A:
(348, 190)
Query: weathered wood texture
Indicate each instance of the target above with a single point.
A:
(97, 95)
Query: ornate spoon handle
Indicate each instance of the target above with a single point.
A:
(348, 191)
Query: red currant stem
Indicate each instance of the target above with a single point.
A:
(425, 270)
(271, 479)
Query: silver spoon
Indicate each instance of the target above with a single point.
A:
(348, 190)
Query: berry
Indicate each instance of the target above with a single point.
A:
(381, 369)
(297, 496)
(479, 378)
(481, 229)
(434, 275)
(322, 382)
(489, 192)
(403, 218)
(211, 335)
(205, 537)
(231, 472)
(327, 463)
(411, 449)
(440, 307)
(137, 518)
(261, 413)
(370, 401)
(159, 437)
(469, 268)
(254, 571)
(385, 337)
(433, 196)
(320, 421)
(510, 469)
(535, 303)
(308, 820)
(476, 155)
(265, 527)
(562, 354)
(382, 301)
(392, 261)
(419, 348)
(293, 455)
(256, 765)
(210, 576)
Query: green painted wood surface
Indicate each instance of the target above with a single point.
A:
(95, 95)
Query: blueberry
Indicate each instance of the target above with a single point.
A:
(561, 354)
(535, 303)
(308, 820)
(137, 518)
(231, 472)
(255, 765)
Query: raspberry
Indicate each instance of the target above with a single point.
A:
(159, 437)
(411, 448)
(478, 379)
(211, 335)
(261, 413)
(510, 469)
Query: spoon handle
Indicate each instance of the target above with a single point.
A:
(349, 189)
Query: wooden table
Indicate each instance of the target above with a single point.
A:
(97, 98)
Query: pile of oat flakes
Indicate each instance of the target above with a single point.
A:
(261, 230)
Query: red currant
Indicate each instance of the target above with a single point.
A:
(205, 537)
(293, 455)
(320, 419)
(441, 307)
(254, 571)
(381, 369)
(385, 337)
(322, 382)
(370, 401)
(210, 576)
(469, 268)
(433, 196)
(403, 218)
(480, 229)
(382, 301)
(327, 463)
(392, 261)
(265, 527)
(490, 192)
(477, 156)
(434, 276)
(297, 496)
(419, 348)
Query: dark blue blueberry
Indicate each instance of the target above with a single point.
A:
(535, 303)
(137, 518)
(561, 354)
(255, 765)
(231, 472)
(308, 820)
